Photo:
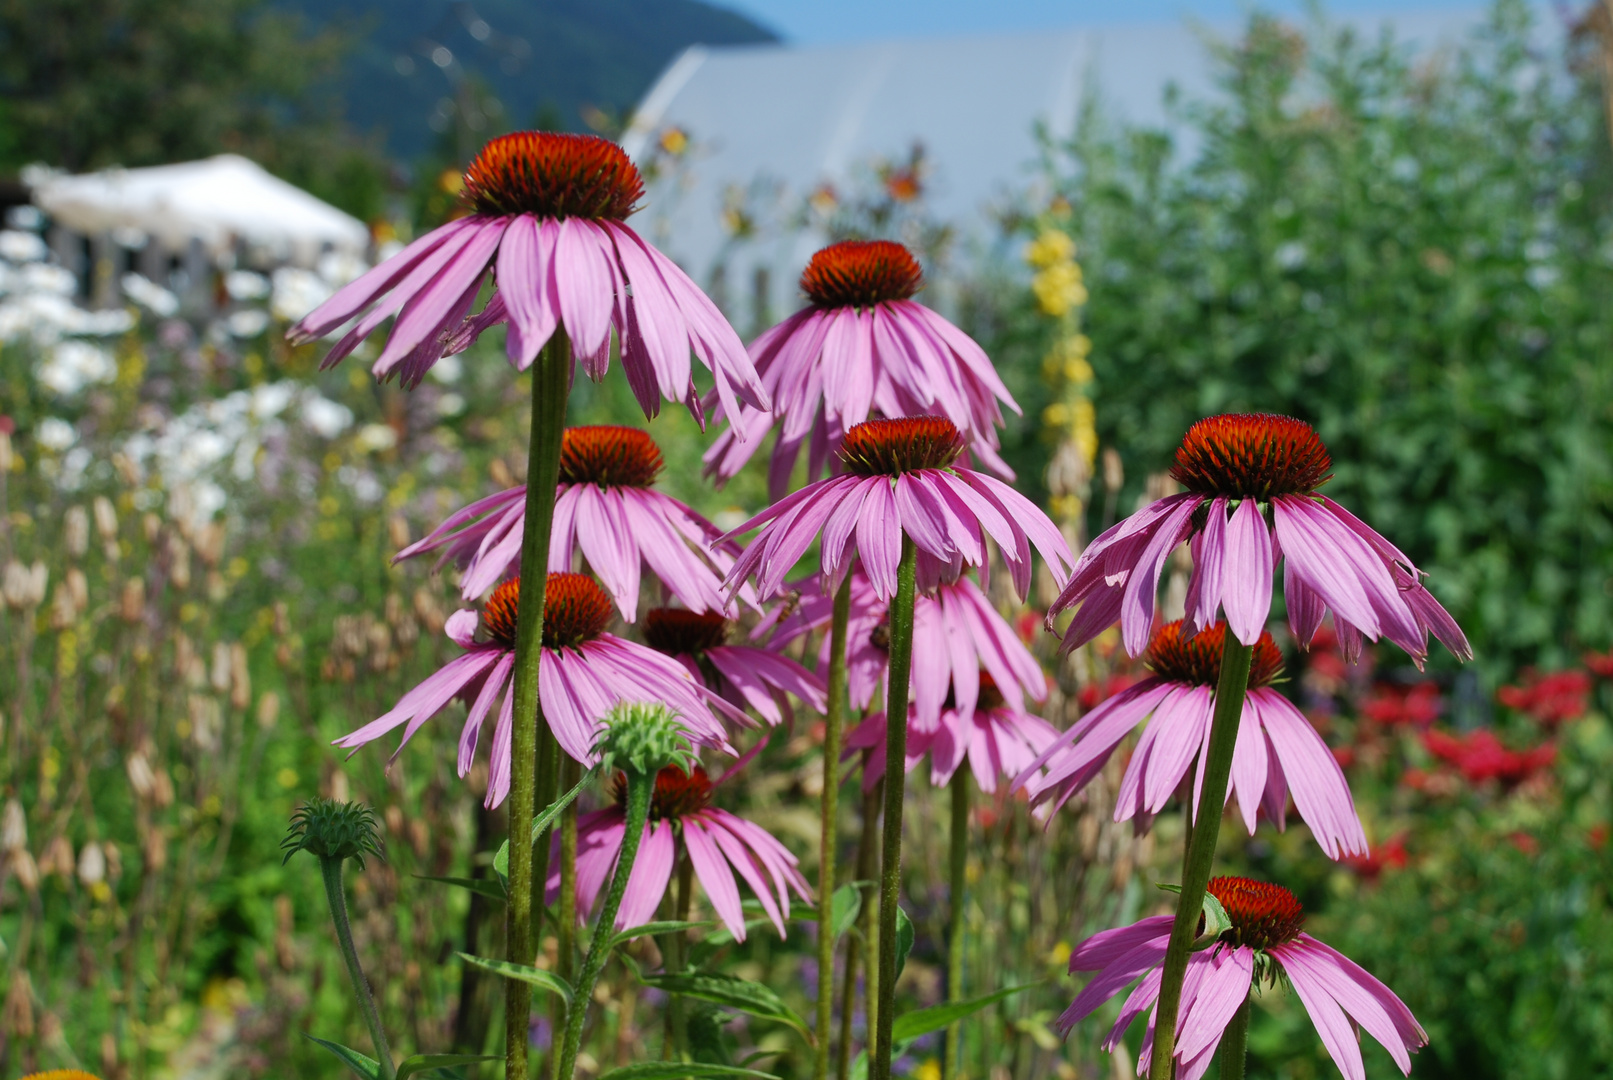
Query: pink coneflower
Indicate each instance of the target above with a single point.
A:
(741, 674)
(683, 821)
(583, 673)
(608, 509)
(1263, 943)
(900, 479)
(956, 634)
(547, 215)
(1251, 502)
(994, 737)
(1278, 753)
(862, 349)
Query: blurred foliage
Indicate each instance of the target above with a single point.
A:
(1409, 251)
(93, 83)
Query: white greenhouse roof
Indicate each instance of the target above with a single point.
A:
(790, 119)
(216, 200)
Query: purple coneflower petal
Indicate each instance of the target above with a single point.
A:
(1224, 987)
(647, 881)
(1246, 572)
(715, 877)
(527, 287)
(739, 856)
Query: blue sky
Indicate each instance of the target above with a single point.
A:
(814, 21)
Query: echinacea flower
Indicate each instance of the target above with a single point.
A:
(548, 215)
(682, 821)
(607, 509)
(900, 479)
(740, 674)
(1278, 753)
(1250, 503)
(1264, 944)
(582, 674)
(994, 737)
(956, 634)
(863, 348)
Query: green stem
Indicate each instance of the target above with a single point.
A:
(639, 788)
(675, 1003)
(890, 871)
(550, 385)
(544, 788)
(331, 870)
(857, 945)
(829, 832)
(1201, 849)
(1235, 1044)
(566, 900)
(958, 858)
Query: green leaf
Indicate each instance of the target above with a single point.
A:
(545, 819)
(652, 928)
(672, 1070)
(844, 907)
(543, 980)
(488, 887)
(904, 939)
(501, 864)
(909, 1026)
(741, 994)
(426, 1063)
(368, 1068)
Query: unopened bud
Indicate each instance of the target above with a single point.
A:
(76, 532)
(333, 830)
(643, 738)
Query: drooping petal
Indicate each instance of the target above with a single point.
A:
(647, 881)
(1246, 573)
(715, 877)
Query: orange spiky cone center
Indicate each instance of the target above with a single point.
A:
(610, 456)
(907, 444)
(1251, 456)
(679, 632)
(575, 610)
(1196, 660)
(677, 793)
(860, 274)
(553, 175)
(1263, 915)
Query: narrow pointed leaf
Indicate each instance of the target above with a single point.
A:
(491, 888)
(543, 980)
(367, 1067)
(741, 994)
(501, 864)
(909, 1026)
(545, 819)
(652, 928)
(904, 939)
(428, 1063)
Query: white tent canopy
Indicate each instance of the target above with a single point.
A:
(801, 117)
(217, 201)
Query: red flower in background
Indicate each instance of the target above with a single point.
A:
(1417, 705)
(1480, 756)
(1389, 855)
(1549, 699)
(1095, 693)
(1600, 663)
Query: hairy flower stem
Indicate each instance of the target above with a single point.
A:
(890, 871)
(550, 385)
(544, 788)
(676, 960)
(1235, 1044)
(640, 786)
(1235, 657)
(857, 945)
(958, 859)
(566, 901)
(829, 831)
(330, 869)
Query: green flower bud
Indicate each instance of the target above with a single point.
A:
(333, 830)
(642, 738)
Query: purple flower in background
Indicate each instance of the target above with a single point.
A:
(996, 738)
(547, 215)
(741, 674)
(1277, 752)
(862, 349)
(1263, 942)
(606, 509)
(584, 672)
(900, 480)
(683, 821)
(1234, 466)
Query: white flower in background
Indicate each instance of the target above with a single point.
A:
(340, 267)
(149, 295)
(372, 438)
(325, 417)
(54, 433)
(246, 285)
(46, 318)
(297, 292)
(21, 247)
(447, 370)
(450, 404)
(247, 324)
(72, 365)
(45, 278)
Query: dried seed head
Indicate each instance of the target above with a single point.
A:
(106, 518)
(76, 532)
